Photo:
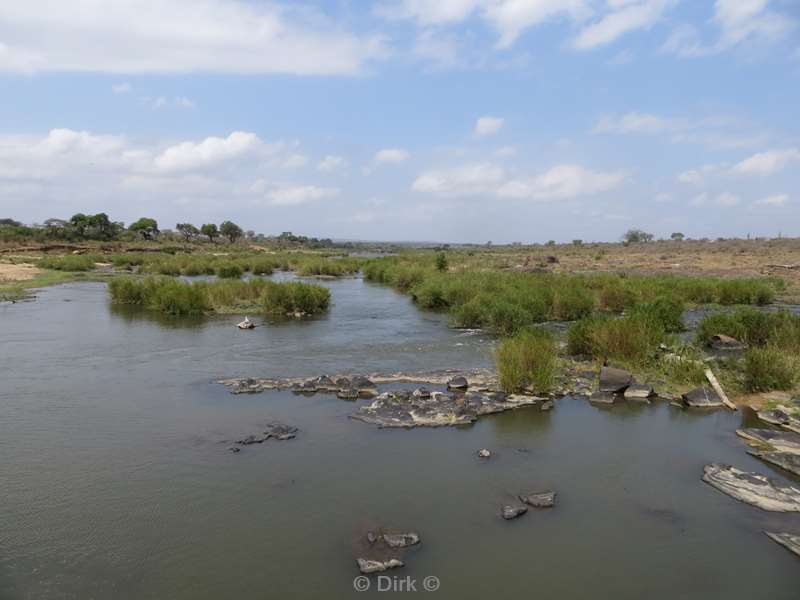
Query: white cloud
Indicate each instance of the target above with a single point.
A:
(332, 163)
(506, 151)
(188, 156)
(727, 199)
(697, 176)
(630, 16)
(776, 200)
(558, 183)
(300, 194)
(391, 156)
(767, 163)
(178, 36)
(163, 102)
(488, 125)
(121, 88)
(512, 17)
(295, 161)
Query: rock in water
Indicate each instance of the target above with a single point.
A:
(484, 453)
(614, 380)
(539, 499)
(638, 391)
(512, 511)
(784, 460)
(781, 418)
(366, 565)
(780, 441)
(281, 432)
(458, 383)
(602, 398)
(787, 540)
(400, 540)
(725, 342)
(752, 488)
(547, 405)
(702, 397)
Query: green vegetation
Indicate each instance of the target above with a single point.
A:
(770, 368)
(633, 339)
(225, 296)
(528, 359)
(327, 267)
(229, 271)
(755, 328)
(77, 262)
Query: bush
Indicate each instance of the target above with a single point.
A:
(527, 360)
(768, 369)
(665, 312)
(753, 327)
(632, 339)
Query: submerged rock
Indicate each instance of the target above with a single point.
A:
(752, 488)
(788, 540)
(702, 397)
(540, 499)
(547, 405)
(277, 431)
(614, 380)
(400, 540)
(458, 383)
(367, 566)
(784, 460)
(401, 409)
(602, 398)
(484, 453)
(639, 391)
(512, 511)
(781, 441)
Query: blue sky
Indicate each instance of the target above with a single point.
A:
(449, 120)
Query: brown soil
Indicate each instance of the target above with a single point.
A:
(18, 272)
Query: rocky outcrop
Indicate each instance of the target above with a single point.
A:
(400, 540)
(702, 397)
(458, 383)
(484, 453)
(602, 398)
(780, 417)
(774, 439)
(405, 409)
(512, 511)
(539, 499)
(789, 541)
(784, 460)
(614, 380)
(276, 431)
(639, 391)
(753, 488)
(367, 566)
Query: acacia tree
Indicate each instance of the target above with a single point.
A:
(634, 236)
(678, 237)
(146, 227)
(231, 230)
(209, 230)
(187, 230)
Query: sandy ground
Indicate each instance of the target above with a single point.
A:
(18, 272)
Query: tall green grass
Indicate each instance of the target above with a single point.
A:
(528, 360)
(70, 262)
(770, 368)
(753, 327)
(225, 296)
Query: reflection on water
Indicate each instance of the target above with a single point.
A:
(117, 482)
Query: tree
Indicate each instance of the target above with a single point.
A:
(678, 237)
(635, 236)
(79, 223)
(146, 227)
(441, 262)
(577, 242)
(187, 230)
(231, 230)
(209, 230)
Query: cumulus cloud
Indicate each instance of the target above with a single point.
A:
(332, 163)
(558, 183)
(630, 16)
(299, 194)
(211, 151)
(488, 125)
(178, 36)
(767, 163)
(391, 156)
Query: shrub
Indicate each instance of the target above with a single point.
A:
(527, 360)
(754, 327)
(665, 312)
(632, 339)
(769, 369)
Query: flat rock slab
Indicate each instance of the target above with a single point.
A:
(614, 380)
(602, 398)
(512, 511)
(276, 431)
(780, 441)
(702, 397)
(787, 540)
(752, 488)
(639, 391)
(784, 460)
(781, 418)
(404, 409)
(539, 499)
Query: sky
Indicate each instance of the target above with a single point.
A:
(408, 120)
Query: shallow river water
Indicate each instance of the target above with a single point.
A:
(116, 481)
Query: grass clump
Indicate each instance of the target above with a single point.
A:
(633, 339)
(528, 359)
(225, 296)
(769, 368)
(229, 271)
(74, 263)
(753, 327)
